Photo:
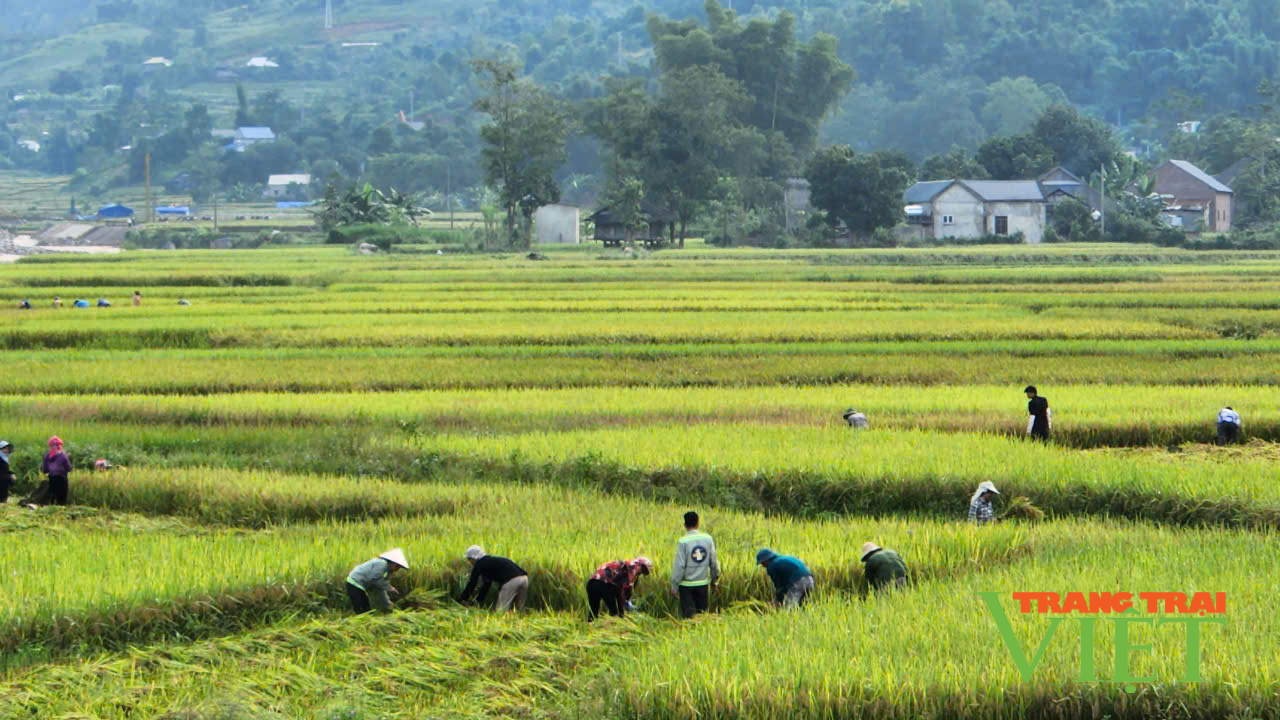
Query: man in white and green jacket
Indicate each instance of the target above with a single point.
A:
(371, 580)
(696, 569)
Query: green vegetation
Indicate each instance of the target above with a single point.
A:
(313, 407)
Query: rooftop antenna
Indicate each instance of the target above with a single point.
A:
(328, 14)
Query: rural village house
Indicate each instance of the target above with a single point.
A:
(278, 185)
(973, 208)
(611, 231)
(1193, 200)
(246, 136)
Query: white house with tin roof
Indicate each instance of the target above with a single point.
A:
(973, 208)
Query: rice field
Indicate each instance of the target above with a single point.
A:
(311, 408)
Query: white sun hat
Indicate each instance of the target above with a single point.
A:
(987, 485)
(868, 548)
(395, 555)
(475, 552)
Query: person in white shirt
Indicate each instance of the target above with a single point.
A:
(1228, 426)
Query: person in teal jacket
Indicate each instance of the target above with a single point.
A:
(792, 581)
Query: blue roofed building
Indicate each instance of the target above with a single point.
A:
(246, 136)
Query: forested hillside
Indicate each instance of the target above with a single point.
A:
(928, 76)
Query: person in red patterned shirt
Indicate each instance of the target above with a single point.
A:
(612, 584)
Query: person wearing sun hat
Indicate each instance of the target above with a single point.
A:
(884, 567)
(371, 580)
(792, 581)
(980, 510)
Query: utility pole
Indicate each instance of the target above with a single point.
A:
(1102, 203)
(410, 104)
(620, 63)
(448, 190)
(146, 167)
(215, 212)
(328, 14)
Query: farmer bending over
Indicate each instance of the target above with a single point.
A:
(884, 568)
(792, 581)
(512, 582)
(371, 580)
(612, 584)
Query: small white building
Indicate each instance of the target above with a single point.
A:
(261, 62)
(973, 208)
(556, 224)
(278, 185)
(246, 136)
(156, 62)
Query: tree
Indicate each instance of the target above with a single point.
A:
(243, 119)
(62, 155)
(861, 190)
(1079, 143)
(1014, 104)
(681, 142)
(65, 83)
(791, 86)
(1016, 157)
(524, 143)
(955, 165)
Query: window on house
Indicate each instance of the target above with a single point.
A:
(1002, 224)
(946, 219)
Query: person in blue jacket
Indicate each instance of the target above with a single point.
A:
(792, 581)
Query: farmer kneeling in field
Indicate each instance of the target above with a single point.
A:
(980, 510)
(792, 581)
(884, 568)
(370, 579)
(512, 582)
(612, 584)
(1228, 426)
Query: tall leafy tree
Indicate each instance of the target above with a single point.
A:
(524, 143)
(1079, 143)
(861, 190)
(1015, 157)
(791, 86)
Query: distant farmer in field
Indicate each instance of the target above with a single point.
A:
(696, 568)
(7, 477)
(1040, 416)
(612, 584)
(184, 302)
(792, 581)
(512, 582)
(885, 569)
(102, 464)
(103, 302)
(1228, 426)
(137, 299)
(371, 580)
(57, 302)
(24, 305)
(980, 510)
(855, 419)
(56, 466)
(81, 303)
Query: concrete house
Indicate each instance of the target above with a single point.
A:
(278, 185)
(557, 223)
(1060, 184)
(1193, 199)
(973, 208)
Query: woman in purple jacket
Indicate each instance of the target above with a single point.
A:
(57, 466)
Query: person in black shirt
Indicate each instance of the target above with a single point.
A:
(6, 473)
(512, 582)
(1038, 409)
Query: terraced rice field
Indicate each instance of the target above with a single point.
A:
(312, 408)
